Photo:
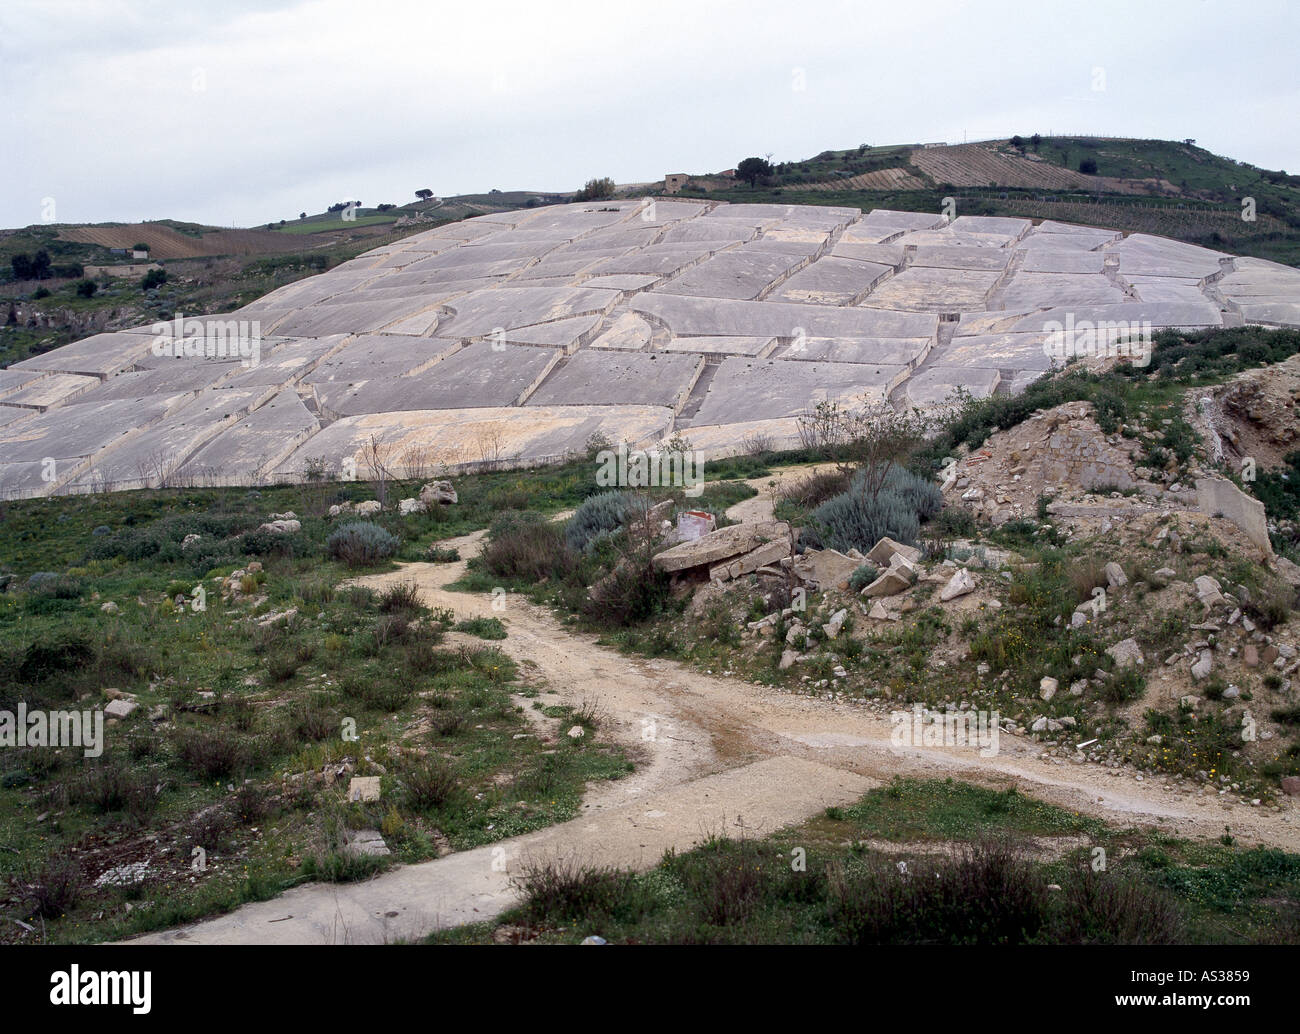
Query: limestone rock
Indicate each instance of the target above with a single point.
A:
(722, 544)
(960, 584)
(890, 583)
(438, 493)
(825, 568)
(767, 553)
(120, 708)
(366, 842)
(1208, 591)
(836, 623)
(886, 549)
(1126, 653)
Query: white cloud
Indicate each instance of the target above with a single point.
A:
(302, 104)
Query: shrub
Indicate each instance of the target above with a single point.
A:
(601, 513)
(310, 723)
(1105, 909)
(54, 887)
(281, 667)
(212, 753)
(430, 784)
(362, 544)
(989, 894)
(401, 598)
(923, 495)
(628, 595)
(484, 628)
(954, 522)
(252, 803)
(61, 652)
(210, 828)
(862, 577)
(813, 490)
(567, 890)
(856, 521)
(1124, 686)
(110, 786)
(525, 545)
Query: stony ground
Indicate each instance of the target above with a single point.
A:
(716, 755)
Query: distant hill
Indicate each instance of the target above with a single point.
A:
(1173, 188)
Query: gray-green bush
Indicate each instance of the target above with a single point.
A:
(362, 544)
(857, 520)
(599, 515)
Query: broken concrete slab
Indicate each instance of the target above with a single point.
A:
(1221, 498)
(722, 544)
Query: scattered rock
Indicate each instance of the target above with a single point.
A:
(960, 584)
(366, 842)
(723, 544)
(438, 492)
(1126, 654)
(1208, 591)
(833, 626)
(120, 708)
(884, 551)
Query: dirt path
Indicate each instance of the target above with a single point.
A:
(713, 754)
(759, 507)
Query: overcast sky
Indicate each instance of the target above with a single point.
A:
(241, 112)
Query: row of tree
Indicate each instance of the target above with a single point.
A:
(40, 267)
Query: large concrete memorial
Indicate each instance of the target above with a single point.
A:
(515, 337)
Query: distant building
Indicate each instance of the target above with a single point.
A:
(674, 182)
(728, 174)
(140, 253)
